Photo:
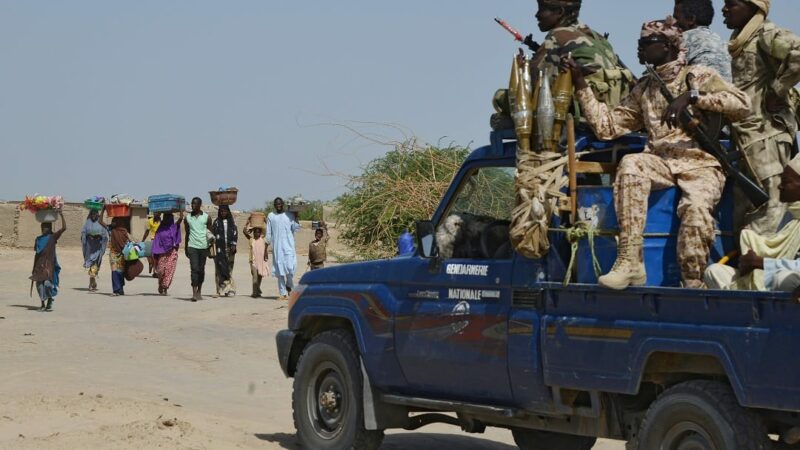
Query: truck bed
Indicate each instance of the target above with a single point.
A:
(595, 339)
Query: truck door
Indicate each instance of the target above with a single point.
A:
(452, 324)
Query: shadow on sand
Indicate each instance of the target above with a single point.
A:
(417, 441)
(28, 307)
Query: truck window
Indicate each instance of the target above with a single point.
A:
(477, 223)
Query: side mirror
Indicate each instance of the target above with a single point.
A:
(426, 239)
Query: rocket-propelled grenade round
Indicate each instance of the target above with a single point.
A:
(517, 35)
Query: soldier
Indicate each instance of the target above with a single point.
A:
(670, 158)
(609, 79)
(704, 47)
(766, 66)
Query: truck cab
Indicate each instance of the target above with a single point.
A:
(471, 333)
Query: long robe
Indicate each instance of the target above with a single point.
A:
(46, 270)
(94, 240)
(280, 235)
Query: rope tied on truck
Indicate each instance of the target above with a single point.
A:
(539, 183)
(582, 230)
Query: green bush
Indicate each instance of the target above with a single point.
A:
(392, 193)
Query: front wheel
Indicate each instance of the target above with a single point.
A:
(700, 415)
(545, 440)
(327, 397)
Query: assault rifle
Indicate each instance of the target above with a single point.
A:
(695, 127)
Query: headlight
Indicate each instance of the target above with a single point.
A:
(295, 295)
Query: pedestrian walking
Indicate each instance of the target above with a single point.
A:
(197, 228)
(46, 270)
(318, 248)
(226, 238)
(94, 240)
(166, 243)
(280, 236)
(259, 256)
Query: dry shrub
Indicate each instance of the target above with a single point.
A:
(392, 193)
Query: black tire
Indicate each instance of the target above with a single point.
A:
(546, 440)
(329, 366)
(700, 415)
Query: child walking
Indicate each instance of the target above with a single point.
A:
(46, 269)
(258, 257)
(318, 249)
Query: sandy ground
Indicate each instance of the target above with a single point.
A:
(144, 371)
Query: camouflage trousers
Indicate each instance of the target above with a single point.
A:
(701, 188)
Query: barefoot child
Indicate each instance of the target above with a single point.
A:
(258, 257)
(46, 269)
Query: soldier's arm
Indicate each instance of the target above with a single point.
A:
(720, 96)
(609, 123)
(784, 47)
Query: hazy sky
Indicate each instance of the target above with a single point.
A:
(167, 96)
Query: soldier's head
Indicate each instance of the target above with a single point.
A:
(738, 13)
(691, 14)
(790, 182)
(660, 42)
(557, 13)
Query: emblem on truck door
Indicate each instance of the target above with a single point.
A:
(459, 311)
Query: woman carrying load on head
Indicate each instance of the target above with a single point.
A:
(165, 250)
(118, 239)
(226, 237)
(94, 239)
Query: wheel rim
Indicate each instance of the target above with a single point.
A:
(326, 400)
(687, 436)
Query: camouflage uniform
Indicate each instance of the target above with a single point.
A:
(670, 158)
(609, 82)
(706, 48)
(770, 60)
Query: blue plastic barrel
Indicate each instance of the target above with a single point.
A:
(660, 236)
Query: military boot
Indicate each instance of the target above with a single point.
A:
(628, 269)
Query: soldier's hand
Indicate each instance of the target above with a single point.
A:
(750, 262)
(673, 112)
(774, 103)
(531, 44)
(569, 65)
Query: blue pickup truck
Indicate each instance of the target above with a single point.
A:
(484, 337)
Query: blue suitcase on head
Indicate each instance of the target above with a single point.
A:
(166, 203)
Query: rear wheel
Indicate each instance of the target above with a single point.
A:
(700, 415)
(545, 440)
(327, 397)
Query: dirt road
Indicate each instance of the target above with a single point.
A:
(144, 371)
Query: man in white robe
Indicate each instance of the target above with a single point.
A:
(281, 228)
(770, 262)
